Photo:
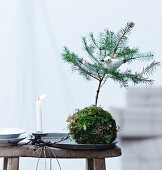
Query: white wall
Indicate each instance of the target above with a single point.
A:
(32, 36)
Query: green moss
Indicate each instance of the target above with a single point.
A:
(92, 125)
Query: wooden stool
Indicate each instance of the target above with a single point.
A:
(95, 159)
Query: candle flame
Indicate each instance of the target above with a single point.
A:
(42, 97)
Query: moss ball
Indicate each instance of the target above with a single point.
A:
(92, 125)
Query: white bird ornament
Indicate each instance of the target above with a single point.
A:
(114, 63)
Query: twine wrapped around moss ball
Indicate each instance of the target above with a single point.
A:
(92, 125)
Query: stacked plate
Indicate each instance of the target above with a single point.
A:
(11, 136)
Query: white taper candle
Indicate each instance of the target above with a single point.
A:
(39, 121)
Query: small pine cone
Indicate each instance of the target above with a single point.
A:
(131, 24)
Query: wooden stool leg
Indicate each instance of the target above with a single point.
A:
(89, 164)
(99, 164)
(5, 160)
(13, 164)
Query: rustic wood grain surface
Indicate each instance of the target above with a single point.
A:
(29, 151)
(95, 159)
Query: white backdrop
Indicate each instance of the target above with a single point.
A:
(32, 36)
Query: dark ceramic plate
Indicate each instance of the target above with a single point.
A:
(62, 141)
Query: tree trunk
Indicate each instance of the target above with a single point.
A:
(98, 91)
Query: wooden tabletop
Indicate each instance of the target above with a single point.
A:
(31, 151)
(95, 159)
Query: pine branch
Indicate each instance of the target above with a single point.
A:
(149, 70)
(144, 56)
(107, 42)
(92, 68)
(76, 65)
(126, 51)
(136, 78)
(119, 78)
(102, 44)
(127, 76)
(111, 42)
(122, 35)
(97, 43)
(133, 54)
(96, 61)
(94, 41)
(88, 50)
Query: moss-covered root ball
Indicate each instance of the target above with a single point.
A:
(92, 125)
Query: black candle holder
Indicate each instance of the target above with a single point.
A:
(37, 138)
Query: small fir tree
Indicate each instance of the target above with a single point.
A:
(105, 55)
